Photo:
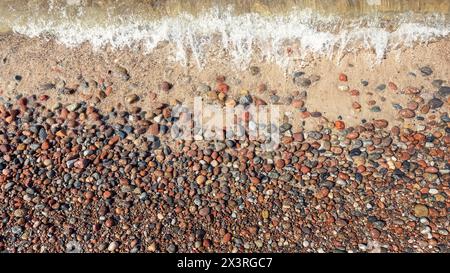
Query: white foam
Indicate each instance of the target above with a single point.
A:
(193, 36)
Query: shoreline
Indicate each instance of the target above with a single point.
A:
(87, 164)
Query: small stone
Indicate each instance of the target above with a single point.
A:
(381, 87)
(165, 86)
(431, 170)
(45, 145)
(265, 214)
(316, 114)
(343, 77)
(226, 238)
(380, 123)
(113, 246)
(354, 93)
(262, 87)
(426, 71)
(437, 83)
(411, 90)
(343, 88)
(132, 98)
(73, 107)
(274, 99)
(19, 213)
(444, 91)
(204, 211)
(245, 100)
(435, 103)
(375, 109)
(322, 193)
(407, 113)
(154, 129)
(201, 179)
(81, 163)
(392, 86)
(303, 82)
(223, 87)
(121, 73)
(356, 105)
(340, 125)
(297, 103)
(420, 210)
(172, 248)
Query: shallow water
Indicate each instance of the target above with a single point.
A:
(305, 27)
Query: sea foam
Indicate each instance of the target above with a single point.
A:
(193, 37)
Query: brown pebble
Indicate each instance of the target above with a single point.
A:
(298, 103)
(380, 123)
(204, 211)
(226, 238)
(165, 86)
(356, 105)
(154, 129)
(407, 113)
(323, 192)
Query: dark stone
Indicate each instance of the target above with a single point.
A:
(435, 103)
(444, 91)
(426, 71)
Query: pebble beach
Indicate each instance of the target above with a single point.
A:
(88, 162)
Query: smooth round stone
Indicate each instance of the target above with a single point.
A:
(420, 210)
(435, 103)
(245, 100)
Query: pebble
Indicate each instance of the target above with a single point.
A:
(133, 98)
(254, 70)
(121, 73)
(420, 210)
(303, 82)
(444, 91)
(381, 87)
(204, 211)
(375, 109)
(73, 107)
(435, 103)
(426, 71)
(437, 83)
(343, 88)
(407, 113)
(165, 86)
(245, 100)
(265, 214)
(113, 246)
(343, 77)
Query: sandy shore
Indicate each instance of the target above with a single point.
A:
(87, 166)
(41, 62)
